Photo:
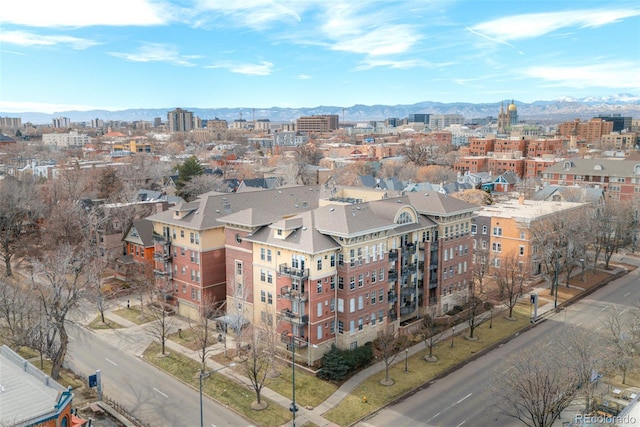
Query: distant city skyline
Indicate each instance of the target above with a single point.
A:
(74, 55)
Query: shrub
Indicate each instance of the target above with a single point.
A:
(338, 364)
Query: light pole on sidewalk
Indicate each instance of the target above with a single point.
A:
(406, 360)
(453, 332)
(207, 375)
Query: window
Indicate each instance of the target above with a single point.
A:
(380, 316)
(360, 302)
(484, 229)
(522, 235)
(319, 309)
(405, 218)
(484, 244)
(340, 327)
(269, 277)
(239, 268)
(340, 305)
(496, 247)
(333, 260)
(263, 254)
(193, 293)
(373, 276)
(381, 274)
(319, 334)
(352, 326)
(521, 251)
(269, 298)
(352, 282)
(319, 286)
(474, 229)
(352, 305)
(263, 275)
(373, 319)
(340, 282)
(184, 289)
(381, 295)
(319, 263)
(360, 323)
(182, 251)
(192, 238)
(263, 296)
(361, 280)
(333, 305)
(341, 259)
(497, 231)
(184, 270)
(373, 297)
(332, 285)
(333, 326)
(268, 255)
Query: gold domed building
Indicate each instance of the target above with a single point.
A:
(508, 118)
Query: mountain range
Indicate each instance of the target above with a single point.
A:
(558, 110)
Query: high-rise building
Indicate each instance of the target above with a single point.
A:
(180, 120)
(441, 121)
(61, 122)
(508, 118)
(10, 122)
(619, 123)
(419, 118)
(320, 123)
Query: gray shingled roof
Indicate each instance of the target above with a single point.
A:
(305, 238)
(597, 167)
(434, 203)
(350, 220)
(144, 227)
(203, 214)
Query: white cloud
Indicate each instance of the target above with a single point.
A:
(264, 68)
(83, 13)
(534, 25)
(22, 38)
(618, 75)
(303, 77)
(157, 52)
(369, 63)
(256, 14)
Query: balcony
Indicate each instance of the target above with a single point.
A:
(392, 297)
(393, 315)
(409, 248)
(162, 273)
(295, 317)
(393, 255)
(407, 310)
(159, 238)
(301, 273)
(159, 256)
(287, 292)
(392, 275)
(408, 269)
(433, 300)
(433, 284)
(287, 337)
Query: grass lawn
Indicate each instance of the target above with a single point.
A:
(353, 406)
(133, 314)
(108, 324)
(188, 338)
(219, 387)
(310, 391)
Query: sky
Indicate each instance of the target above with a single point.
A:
(119, 54)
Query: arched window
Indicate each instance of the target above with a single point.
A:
(405, 218)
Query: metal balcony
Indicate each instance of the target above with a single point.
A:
(407, 310)
(393, 255)
(162, 256)
(299, 342)
(301, 273)
(392, 297)
(392, 275)
(287, 292)
(162, 273)
(295, 317)
(433, 284)
(159, 238)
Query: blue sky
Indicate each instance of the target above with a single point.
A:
(86, 54)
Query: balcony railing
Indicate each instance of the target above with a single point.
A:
(392, 297)
(407, 310)
(302, 273)
(287, 337)
(162, 273)
(392, 275)
(433, 284)
(287, 292)
(393, 315)
(159, 238)
(433, 300)
(295, 317)
(393, 255)
(162, 256)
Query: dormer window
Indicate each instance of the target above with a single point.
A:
(636, 170)
(598, 167)
(405, 218)
(566, 166)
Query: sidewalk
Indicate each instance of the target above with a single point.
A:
(134, 339)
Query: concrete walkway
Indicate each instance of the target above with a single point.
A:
(135, 338)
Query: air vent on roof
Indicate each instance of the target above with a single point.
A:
(331, 209)
(304, 228)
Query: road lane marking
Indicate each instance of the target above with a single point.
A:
(160, 392)
(604, 308)
(464, 398)
(111, 361)
(434, 416)
(547, 344)
(461, 423)
(627, 294)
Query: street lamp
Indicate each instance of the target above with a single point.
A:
(207, 375)
(453, 332)
(406, 360)
(582, 262)
(293, 408)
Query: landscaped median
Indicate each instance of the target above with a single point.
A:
(219, 387)
(371, 395)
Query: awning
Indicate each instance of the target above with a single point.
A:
(234, 321)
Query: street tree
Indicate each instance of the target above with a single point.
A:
(60, 279)
(549, 240)
(622, 340)
(258, 357)
(18, 312)
(162, 324)
(387, 346)
(20, 209)
(417, 152)
(109, 183)
(510, 279)
(534, 387)
(430, 335)
(611, 227)
(204, 329)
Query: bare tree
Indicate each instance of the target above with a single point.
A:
(430, 334)
(622, 340)
(257, 359)
(611, 227)
(19, 210)
(202, 331)
(510, 279)
(387, 347)
(418, 152)
(140, 278)
(534, 387)
(18, 312)
(60, 279)
(162, 324)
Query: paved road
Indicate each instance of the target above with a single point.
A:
(463, 399)
(148, 394)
